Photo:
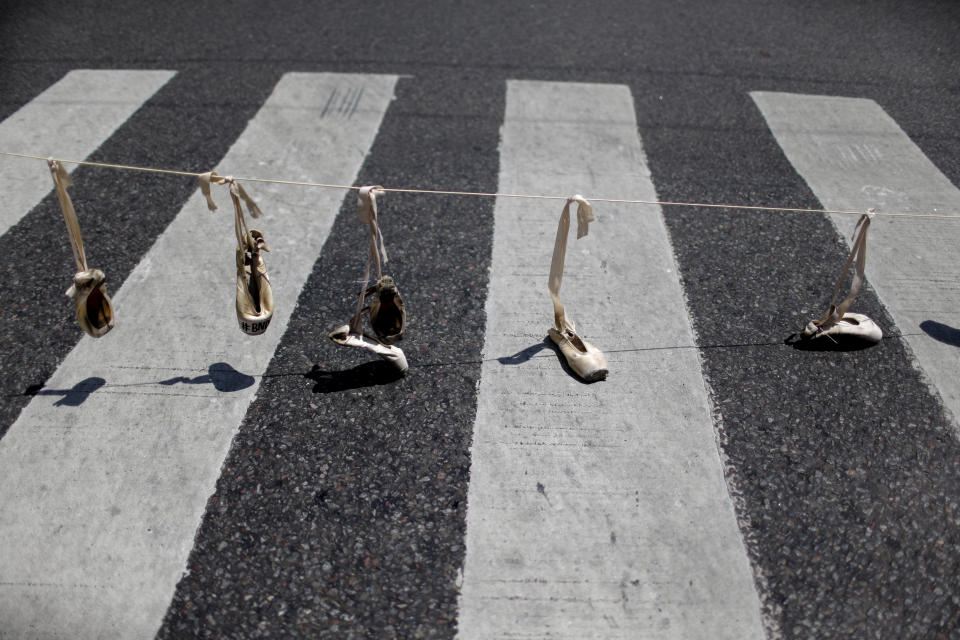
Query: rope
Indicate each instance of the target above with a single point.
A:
(439, 192)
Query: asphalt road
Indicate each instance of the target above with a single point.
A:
(844, 466)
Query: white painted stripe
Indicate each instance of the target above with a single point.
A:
(103, 493)
(594, 510)
(855, 156)
(69, 120)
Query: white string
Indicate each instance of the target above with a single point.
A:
(662, 203)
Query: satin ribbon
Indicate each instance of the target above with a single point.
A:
(61, 181)
(237, 195)
(584, 218)
(377, 252)
(211, 177)
(858, 256)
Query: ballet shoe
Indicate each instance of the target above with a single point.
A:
(584, 359)
(394, 355)
(94, 309)
(254, 294)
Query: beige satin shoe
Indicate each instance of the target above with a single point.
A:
(94, 309)
(586, 360)
(837, 327)
(387, 313)
(852, 328)
(254, 295)
(393, 355)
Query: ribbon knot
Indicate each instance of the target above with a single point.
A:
(61, 181)
(584, 214)
(376, 253)
(367, 212)
(236, 190)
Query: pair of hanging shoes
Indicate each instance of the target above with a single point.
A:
(839, 328)
(387, 317)
(254, 295)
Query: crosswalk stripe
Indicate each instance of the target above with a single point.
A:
(854, 156)
(106, 473)
(70, 120)
(593, 510)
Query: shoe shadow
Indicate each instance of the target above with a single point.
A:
(368, 374)
(828, 343)
(548, 343)
(221, 375)
(524, 355)
(73, 397)
(942, 332)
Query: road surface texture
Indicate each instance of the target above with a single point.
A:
(177, 478)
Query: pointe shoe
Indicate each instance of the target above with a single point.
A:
(94, 309)
(254, 294)
(387, 313)
(852, 328)
(393, 355)
(840, 328)
(586, 360)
